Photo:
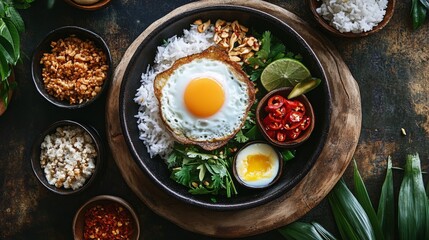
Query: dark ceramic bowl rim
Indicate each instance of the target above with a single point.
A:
(276, 178)
(55, 35)
(107, 198)
(191, 199)
(35, 156)
(287, 144)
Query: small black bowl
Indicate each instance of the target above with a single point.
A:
(44, 47)
(236, 173)
(36, 151)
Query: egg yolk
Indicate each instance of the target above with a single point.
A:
(204, 97)
(258, 166)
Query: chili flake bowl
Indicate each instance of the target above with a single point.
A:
(289, 142)
(314, 4)
(45, 47)
(103, 201)
(36, 153)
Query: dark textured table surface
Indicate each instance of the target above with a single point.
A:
(391, 68)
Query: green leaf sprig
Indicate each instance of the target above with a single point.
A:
(11, 26)
(418, 12)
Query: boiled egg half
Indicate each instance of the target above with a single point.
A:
(257, 165)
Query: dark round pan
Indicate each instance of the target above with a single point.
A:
(156, 169)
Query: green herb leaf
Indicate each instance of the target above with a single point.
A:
(16, 19)
(202, 172)
(363, 198)
(182, 175)
(15, 40)
(386, 206)
(203, 156)
(418, 13)
(351, 218)
(240, 137)
(303, 231)
(200, 190)
(412, 201)
(287, 154)
(4, 70)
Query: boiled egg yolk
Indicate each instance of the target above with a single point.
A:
(257, 167)
(204, 97)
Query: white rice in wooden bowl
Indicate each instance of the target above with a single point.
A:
(152, 130)
(354, 16)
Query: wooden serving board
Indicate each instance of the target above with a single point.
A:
(340, 145)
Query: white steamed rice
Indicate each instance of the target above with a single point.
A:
(353, 15)
(152, 130)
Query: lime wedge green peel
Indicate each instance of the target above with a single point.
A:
(304, 87)
(284, 72)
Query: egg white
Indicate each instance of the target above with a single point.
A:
(216, 127)
(254, 149)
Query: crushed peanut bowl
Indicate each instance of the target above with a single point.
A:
(71, 67)
(257, 22)
(119, 218)
(57, 158)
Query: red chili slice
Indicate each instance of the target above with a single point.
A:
(275, 125)
(281, 137)
(291, 126)
(271, 134)
(294, 134)
(305, 123)
(295, 117)
(274, 102)
(274, 118)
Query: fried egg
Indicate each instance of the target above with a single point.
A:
(204, 98)
(257, 165)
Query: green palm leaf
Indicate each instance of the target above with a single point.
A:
(386, 206)
(412, 202)
(363, 198)
(351, 218)
(304, 231)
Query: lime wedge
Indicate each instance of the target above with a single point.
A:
(284, 72)
(304, 87)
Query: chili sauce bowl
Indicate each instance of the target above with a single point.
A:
(275, 138)
(102, 203)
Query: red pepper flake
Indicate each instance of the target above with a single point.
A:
(108, 221)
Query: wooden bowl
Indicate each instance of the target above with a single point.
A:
(314, 4)
(45, 47)
(92, 7)
(261, 114)
(39, 171)
(79, 218)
